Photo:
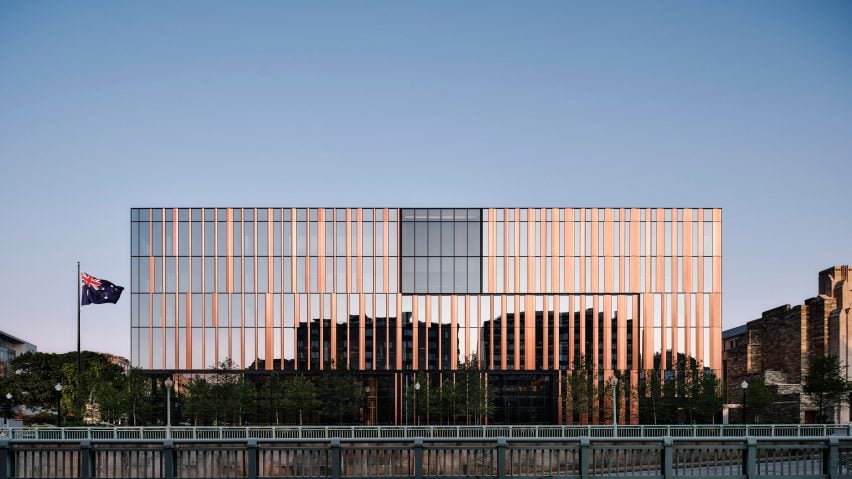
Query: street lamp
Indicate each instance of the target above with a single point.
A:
(614, 383)
(416, 415)
(169, 383)
(744, 386)
(58, 388)
(9, 408)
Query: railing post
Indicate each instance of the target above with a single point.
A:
(86, 459)
(750, 459)
(335, 457)
(252, 452)
(668, 457)
(169, 459)
(418, 458)
(584, 457)
(830, 460)
(6, 465)
(501, 457)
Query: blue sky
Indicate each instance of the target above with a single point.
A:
(106, 106)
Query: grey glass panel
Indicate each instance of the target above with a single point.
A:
(157, 309)
(434, 275)
(434, 238)
(407, 275)
(420, 275)
(209, 239)
(221, 275)
(287, 274)
(171, 280)
(238, 273)
(473, 276)
(157, 238)
(447, 269)
(447, 238)
(461, 240)
(196, 238)
(144, 275)
(420, 239)
(392, 238)
(473, 240)
(237, 238)
(407, 239)
(301, 239)
(263, 238)
(392, 275)
(183, 275)
(460, 275)
(222, 239)
(262, 274)
(249, 310)
(367, 236)
(143, 247)
(196, 274)
(313, 243)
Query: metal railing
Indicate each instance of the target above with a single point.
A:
(663, 458)
(429, 432)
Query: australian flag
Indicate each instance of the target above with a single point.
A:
(98, 291)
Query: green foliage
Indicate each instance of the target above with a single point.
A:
(689, 394)
(300, 394)
(340, 395)
(100, 392)
(758, 401)
(826, 382)
(464, 398)
(580, 392)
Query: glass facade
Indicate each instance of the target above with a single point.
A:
(396, 291)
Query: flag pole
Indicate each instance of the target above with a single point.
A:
(78, 320)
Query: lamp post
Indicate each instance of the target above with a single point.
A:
(169, 383)
(58, 388)
(8, 407)
(614, 383)
(416, 415)
(744, 387)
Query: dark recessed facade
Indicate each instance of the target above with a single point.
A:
(393, 291)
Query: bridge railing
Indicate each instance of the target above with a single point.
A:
(663, 458)
(429, 432)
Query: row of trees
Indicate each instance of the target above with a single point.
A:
(230, 397)
(465, 398)
(690, 394)
(105, 392)
(102, 391)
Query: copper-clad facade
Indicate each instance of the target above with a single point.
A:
(392, 291)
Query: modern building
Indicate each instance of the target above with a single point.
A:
(10, 348)
(389, 292)
(776, 347)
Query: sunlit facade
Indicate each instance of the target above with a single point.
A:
(393, 291)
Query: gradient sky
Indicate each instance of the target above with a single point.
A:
(106, 106)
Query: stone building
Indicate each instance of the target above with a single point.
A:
(776, 347)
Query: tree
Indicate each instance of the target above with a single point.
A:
(137, 396)
(474, 396)
(340, 395)
(580, 394)
(758, 400)
(198, 401)
(300, 394)
(273, 391)
(826, 382)
(686, 393)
